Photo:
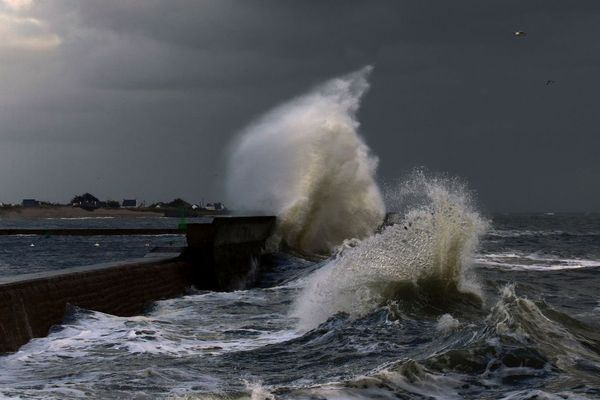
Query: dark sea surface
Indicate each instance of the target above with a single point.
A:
(23, 254)
(532, 332)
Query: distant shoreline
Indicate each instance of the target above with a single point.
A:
(75, 212)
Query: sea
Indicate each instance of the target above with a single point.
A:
(374, 289)
(512, 315)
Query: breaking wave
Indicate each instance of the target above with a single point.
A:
(519, 341)
(426, 250)
(305, 162)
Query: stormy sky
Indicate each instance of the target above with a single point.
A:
(132, 98)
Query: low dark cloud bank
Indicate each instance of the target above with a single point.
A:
(140, 98)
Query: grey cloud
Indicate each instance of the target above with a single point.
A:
(145, 96)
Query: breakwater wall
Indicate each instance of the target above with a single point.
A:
(222, 255)
(93, 232)
(226, 253)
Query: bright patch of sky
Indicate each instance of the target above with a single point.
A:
(20, 30)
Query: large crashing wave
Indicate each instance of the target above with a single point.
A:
(427, 250)
(305, 162)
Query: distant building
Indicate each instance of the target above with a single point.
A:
(129, 203)
(30, 203)
(214, 206)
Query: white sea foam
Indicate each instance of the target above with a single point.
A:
(258, 391)
(305, 162)
(521, 320)
(429, 248)
(533, 262)
(537, 394)
(447, 323)
(513, 233)
(164, 330)
(386, 382)
(80, 218)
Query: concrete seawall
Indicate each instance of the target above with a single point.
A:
(30, 305)
(234, 245)
(221, 255)
(92, 232)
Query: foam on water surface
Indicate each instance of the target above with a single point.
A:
(428, 248)
(394, 312)
(533, 262)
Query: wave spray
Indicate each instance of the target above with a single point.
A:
(305, 162)
(426, 251)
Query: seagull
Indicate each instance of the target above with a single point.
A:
(96, 244)
(520, 33)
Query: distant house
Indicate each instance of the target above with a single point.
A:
(214, 206)
(30, 203)
(129, 203)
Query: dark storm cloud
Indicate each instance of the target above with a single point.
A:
(140, 98)
(216, 44)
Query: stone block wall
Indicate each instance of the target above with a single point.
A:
(222, 255)
(30, 306)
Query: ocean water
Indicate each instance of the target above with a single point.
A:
(529, 330)
(23, 254)
(437, 302)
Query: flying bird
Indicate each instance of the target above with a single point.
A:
(550, 82)
(520, 34)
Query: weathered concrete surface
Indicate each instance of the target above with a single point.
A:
(226, 253)
(221, 255)
(92, 232)
(31, 304)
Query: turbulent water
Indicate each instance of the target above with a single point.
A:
(436, 302)
(24, 254)
(530, 331)
(306, 163)
(425, 251)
